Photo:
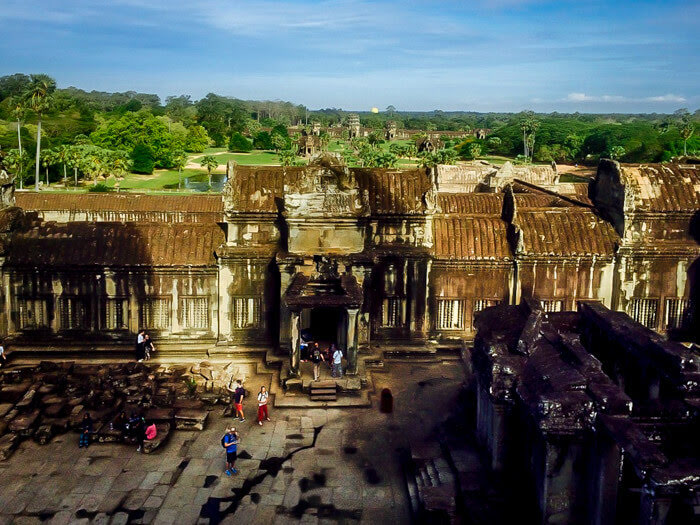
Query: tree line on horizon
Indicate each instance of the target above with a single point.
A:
(95, 133)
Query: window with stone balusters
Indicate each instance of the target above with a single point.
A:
(676, 312)
(74, 313)
(246, 312)
(450, 314)
(194, 313)
(644, 311)
(156, 313)
(393, 313)
(32, 313)
(115, 314)
(552, 305)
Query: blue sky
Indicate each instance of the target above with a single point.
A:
(500, 55)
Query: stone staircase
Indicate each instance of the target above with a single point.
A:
(431, 485)
(323, 391)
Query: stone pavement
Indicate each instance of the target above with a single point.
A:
(306, 465)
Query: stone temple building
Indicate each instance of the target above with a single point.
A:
(397, 258)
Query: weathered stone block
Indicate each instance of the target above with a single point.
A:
(24, 425)
(190, 419)
(8, 443)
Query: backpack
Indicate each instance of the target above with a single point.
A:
(151, 431)
(223, 441)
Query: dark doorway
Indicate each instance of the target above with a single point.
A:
(325, 323)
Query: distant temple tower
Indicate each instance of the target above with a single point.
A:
(390, 133)
(316, 128)
(353, 125)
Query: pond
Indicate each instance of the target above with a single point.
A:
(200, 182)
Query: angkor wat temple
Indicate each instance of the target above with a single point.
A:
(360, 256)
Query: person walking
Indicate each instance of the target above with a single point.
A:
(262, 405)
(316, 358)
(3, 357)
(230, 442)
(337, 363)
(139, 346)
(238, 396)
(148, 347)
(86, 430)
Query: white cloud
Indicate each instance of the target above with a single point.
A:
(583, 97)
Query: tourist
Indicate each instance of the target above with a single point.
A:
(85, 431)
(238, 396)
(230, 442)
(139, 346)
(3, 357)
(337, 363)
(316, 358)
(262, 405)
(140, 433)
(121, 423)
(148, 347)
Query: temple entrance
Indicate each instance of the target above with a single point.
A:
(325, 324)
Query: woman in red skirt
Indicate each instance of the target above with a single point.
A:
(262, 405)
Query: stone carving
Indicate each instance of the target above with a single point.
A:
(326, 270)
(7, 190)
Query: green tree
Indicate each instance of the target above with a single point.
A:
(279, 142)
(19, 111)
(210, 163)
(119, 165)
(179, 162)
(48, 159)
(287, 157)
(62, 154)
(616, 152)
(197, 139)
(263, 141)
(38, 99)
(142, 159)
(686, 128)
(18, 162)
(529, 125)
(239, 144)
(475, 150)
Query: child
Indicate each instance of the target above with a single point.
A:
(230, 442)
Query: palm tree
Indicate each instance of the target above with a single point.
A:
(19, 112)
(62, 156)
(686, 132)
(75, 156)
(48, 158)
(119, 161)
(209, 162)
(38, 99)
(179, 162)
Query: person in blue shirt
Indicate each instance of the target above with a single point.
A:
(230, 442)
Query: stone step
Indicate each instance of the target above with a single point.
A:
(323, 391)
(432, 473)
(323, 384)
(323, 397)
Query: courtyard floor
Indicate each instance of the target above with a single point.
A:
(306, 465)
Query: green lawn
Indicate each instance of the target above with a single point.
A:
(254, 158)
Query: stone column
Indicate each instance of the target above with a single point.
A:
(225, 278)
(352, 341)
(295, 350)
(284, 313)
(605, 471)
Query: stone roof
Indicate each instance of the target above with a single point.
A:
(663, 187)
(394, 192)
(470, 203)
(123, 202)
(565, 232)
(117, 244)
(471, 238)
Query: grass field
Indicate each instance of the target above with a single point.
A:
(254, 158)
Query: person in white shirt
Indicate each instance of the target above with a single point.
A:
(262, 405)
(3, 357)
(337, 363)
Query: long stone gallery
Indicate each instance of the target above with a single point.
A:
(562, 315)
